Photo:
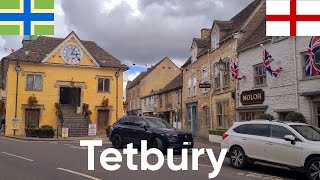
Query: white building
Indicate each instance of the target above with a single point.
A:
(291, 91)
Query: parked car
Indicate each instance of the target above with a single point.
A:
(292, 145)
(158, 133)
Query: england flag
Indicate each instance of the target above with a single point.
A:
(293, 18)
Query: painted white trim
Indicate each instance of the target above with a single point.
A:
(64, 42)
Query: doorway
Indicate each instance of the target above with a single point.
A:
(32, 116)
(103, 119)
(176, 119)
(70, 96)
(193, 117)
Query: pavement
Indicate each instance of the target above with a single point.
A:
(53, 160)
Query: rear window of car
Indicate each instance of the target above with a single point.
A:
(253, 129)
(242, 129)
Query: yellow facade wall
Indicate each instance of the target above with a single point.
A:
(50, 92)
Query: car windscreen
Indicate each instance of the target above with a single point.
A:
(157, 123)
(309, 132)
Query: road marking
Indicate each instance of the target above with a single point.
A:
(53, 143)
(259, 176)
(77, 173)
(13, 139)
(17, 156)
(205, 165)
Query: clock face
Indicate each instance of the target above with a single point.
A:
(71, 54)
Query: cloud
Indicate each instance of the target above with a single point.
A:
(129, 76)
(144, 31)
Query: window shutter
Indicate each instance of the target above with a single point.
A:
(107, 85)
(100, 85)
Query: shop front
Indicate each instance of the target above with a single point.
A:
(252, 105)
(314, 103)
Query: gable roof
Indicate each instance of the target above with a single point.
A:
(186, 63)
(257, 37)
(201, 43)
(176, 83)
(45, 45)
(144, 74)
(235, 24)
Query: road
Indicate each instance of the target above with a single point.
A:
(67, 160)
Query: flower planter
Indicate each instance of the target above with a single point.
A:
(46, 134)
(215, 138)
(31, 132)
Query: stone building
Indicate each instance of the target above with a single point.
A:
(169, 102)
(292, 90)
(146, 84)
(77, 75)
(211, 55)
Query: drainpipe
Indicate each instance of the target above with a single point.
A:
(117, 92)
(211, 93)
(18, 69)
(296, 72)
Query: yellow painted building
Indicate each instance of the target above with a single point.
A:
(67, 71)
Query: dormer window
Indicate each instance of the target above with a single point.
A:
(194, 54)
(215, 39)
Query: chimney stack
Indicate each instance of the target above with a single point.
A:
(205, 33)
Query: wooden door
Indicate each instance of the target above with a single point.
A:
(103, 119)
(32, 116)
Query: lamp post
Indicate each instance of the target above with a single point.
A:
(18, 69)
(117, 75)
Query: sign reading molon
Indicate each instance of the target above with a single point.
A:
(252, 97)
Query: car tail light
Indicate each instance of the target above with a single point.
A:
(224, 136)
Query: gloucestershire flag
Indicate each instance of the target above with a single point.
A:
(293, 18)
(26, 17)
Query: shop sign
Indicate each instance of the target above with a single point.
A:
(92, 131)
(204, 86)
(65, 132)
(15, 124)
(252, 97)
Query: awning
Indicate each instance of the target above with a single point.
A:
(243, 108)
(310, 94)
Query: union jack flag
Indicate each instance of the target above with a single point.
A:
(235, 72)
(267, 59)
(314, 46)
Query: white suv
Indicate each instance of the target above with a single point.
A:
(292, 145)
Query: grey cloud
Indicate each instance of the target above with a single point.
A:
(164, 28)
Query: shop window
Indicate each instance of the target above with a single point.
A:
(206, 116)
(247, 116)
(316, 62)
(222, 114)
(34, 82)
(260, 78)
(103, 85)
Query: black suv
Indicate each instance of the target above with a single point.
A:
(158, 133)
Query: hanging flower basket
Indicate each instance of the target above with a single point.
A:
(105, 102)
(32, 100)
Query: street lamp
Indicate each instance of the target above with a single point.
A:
(18, 70)
(117, 75)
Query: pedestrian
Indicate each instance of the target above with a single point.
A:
(2, 124)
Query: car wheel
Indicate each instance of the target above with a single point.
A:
(158, 144)
(117, 141)
(238, 158)
(313, 169)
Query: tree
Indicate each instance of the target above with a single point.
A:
(266, 116)
(295, 117)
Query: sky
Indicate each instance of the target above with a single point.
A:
(137, 31)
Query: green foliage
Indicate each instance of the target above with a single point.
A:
(219, 132)
(266, 117)
(46, 128)
(295, 117)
